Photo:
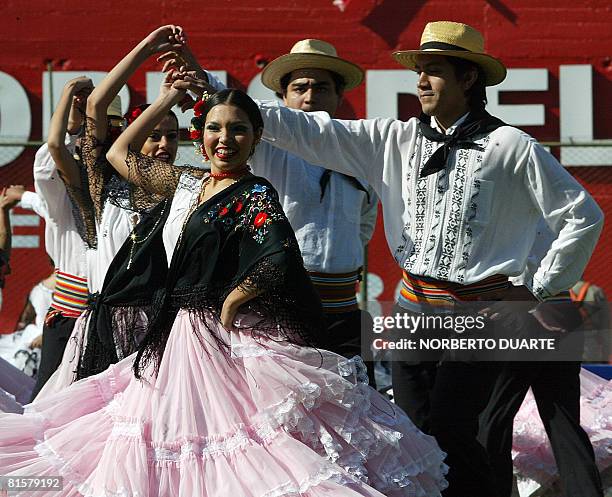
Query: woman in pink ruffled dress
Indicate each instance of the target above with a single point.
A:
(225, 396)
(534, 462)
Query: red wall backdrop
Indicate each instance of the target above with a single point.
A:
(232, 34)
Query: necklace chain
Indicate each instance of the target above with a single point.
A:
(135, 240)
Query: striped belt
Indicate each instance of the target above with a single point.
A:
(70, 294)
(419, 290)
(337, 290)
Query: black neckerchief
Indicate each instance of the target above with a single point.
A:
(476, 123)
(324, 180)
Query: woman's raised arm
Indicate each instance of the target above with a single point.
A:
(74, 95)
(162, 39)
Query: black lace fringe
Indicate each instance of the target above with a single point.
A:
(285, 317)
(128, 325)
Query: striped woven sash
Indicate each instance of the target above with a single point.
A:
(70, 294)
(419, 290)
(337, 290)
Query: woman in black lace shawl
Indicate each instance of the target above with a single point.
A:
(112, 213)
(121, 306)
(235, 246)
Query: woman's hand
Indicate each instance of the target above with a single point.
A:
(166, 85)
(189, 81)
(14, 193)
(164, 39)
(79, 88)
(181, 59)
(228, 312)
(7, 201)
(80, 85)
(37, 342)
(238, 296)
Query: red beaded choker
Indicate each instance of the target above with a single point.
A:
(234, 174)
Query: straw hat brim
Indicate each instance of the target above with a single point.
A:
(285, 64)
(114, 109)
(495, 71)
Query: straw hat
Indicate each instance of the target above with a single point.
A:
(311, 54)
(114, 109)
(455, 39)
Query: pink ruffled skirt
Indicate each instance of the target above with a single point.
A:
(65, 374)
(267, 420)
(531, 451)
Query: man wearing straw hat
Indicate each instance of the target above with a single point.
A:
(462, 194)
(333, 214)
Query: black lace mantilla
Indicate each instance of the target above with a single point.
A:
(121, 311)
(148, 174)
(149, 183)
(239, 238)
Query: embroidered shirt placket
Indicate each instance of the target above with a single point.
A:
(404, 250)
(426, 191)
(470, 210)
(441, 206)
(419, 208)
(455, 217)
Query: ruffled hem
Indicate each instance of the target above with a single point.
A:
(532, 455)
(326, 430)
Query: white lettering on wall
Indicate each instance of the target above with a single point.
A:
(576, 116)
(15, 117)
(257, 89)
(576, 103)
(25, 241)
(519, 80)
(383, 87)
(56, 86)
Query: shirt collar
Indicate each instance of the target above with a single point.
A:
(451, 129)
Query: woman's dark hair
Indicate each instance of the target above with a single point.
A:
(237, 98)
(339, 83)
(135, 111)
(476, 94)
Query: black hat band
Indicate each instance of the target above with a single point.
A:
(442, 46)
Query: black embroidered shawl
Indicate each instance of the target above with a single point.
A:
(239, 237)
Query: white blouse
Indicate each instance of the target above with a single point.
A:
(112, 231)
(185, 198)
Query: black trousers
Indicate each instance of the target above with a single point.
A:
(445, 400)
(556, 389)
(55, 338)
(344, 335)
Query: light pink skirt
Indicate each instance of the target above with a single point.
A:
(65, 374)
(267, 420)
(531, 451)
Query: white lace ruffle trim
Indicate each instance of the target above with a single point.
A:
(366, 431)
(326, 472)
